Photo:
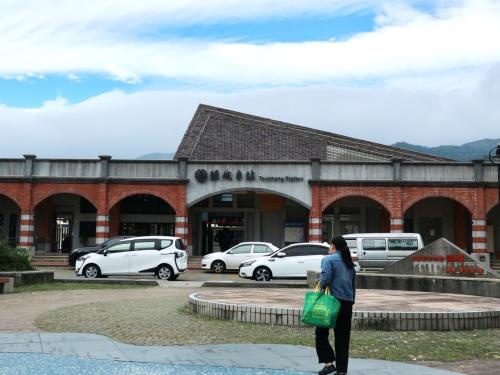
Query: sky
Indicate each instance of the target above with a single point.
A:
(124, 77)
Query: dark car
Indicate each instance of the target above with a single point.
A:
(77, 253)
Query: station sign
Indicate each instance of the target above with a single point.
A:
(202, 176)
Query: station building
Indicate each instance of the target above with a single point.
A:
(253, 179)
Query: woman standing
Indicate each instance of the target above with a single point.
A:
(337, 273)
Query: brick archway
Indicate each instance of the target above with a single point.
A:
(15, 193)
(169, 197)
(43, 191)
(492, 199)
(463, 196)
(331, 194)
(10, 198)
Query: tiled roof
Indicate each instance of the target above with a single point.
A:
(220, 134)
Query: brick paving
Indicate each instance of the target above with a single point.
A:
(367, 300)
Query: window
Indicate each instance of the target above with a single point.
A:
(318, 250)
(408, 244)
(179, 244)
(352, 244)
(261, 249)
(119, 247)
(297, 251)
(166, 243)
(223, 200)
(145, 245)
(374, 244)
(243, 249)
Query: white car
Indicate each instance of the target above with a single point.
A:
(231, 259)
(291, 261)
(162, 256)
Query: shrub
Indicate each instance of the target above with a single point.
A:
(13, 259)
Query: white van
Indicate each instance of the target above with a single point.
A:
(377, 250)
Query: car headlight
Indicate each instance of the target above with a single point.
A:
(83, 257)
(247, 264)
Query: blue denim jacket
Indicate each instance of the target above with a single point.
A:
(340, 278)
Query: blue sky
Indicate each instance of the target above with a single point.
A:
(32, 91)
(419, 71)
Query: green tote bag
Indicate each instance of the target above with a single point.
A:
(320, 309)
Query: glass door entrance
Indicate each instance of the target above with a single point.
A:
(63, 240)
(221, 231)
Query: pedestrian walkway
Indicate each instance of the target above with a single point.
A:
(56, 353)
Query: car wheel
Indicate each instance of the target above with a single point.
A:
(218, 266)
(91, 271)
(165, 272)
(262, 274)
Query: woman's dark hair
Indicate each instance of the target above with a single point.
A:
(341, 246)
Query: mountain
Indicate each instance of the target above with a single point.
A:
(466, 152)
(157, 156)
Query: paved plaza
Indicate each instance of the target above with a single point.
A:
(79, 350)
(211, 359)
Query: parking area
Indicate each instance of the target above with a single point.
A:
(191, 275)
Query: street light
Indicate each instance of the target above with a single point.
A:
(497, 159)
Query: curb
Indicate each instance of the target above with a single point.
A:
(111, 281)
(256, 285)
(362, 320)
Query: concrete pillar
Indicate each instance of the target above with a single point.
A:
(478, 170)
(316, 168)
(479, 241)
(104, 160)
(181, 228)
(28, 164)
(27, 230)
(397, 225)
(396, 169)
(182, 168)
(101, 228)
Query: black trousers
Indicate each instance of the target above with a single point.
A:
(342, 334)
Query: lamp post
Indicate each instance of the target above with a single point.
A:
(497, 161)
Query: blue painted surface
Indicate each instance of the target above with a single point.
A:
(35, 363)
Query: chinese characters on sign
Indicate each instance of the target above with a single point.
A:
(202, 175)
(455, 263)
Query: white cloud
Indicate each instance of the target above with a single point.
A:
(128, 125)
(57, 103)
(101, 37)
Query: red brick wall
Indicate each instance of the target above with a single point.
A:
(27, 196)
(490, 199)
(18, 192)
(174, 195)
(387, 197)
(470, 198)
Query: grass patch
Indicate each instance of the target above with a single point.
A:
(167, 321)
(47, 287)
